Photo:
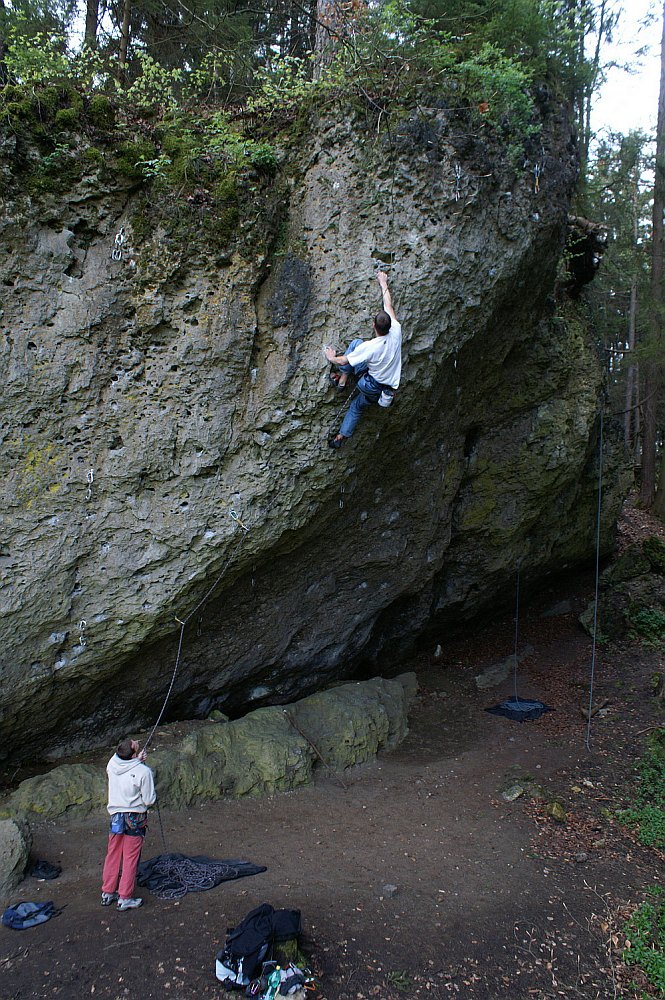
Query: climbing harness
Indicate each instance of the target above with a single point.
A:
(118, 244)
(587, 738)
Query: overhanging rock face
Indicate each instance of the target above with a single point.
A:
(150, 401)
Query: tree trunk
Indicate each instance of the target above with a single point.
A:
(324, 39)
(659, 503)
(91, 23)
(629, 415)
(124, 34)
(653, 377)
(4, 76)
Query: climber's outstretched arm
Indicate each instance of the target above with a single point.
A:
(382, 278)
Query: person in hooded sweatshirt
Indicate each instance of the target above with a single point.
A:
(131, 793)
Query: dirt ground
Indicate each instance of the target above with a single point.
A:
(493, 898)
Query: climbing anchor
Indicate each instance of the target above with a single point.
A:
(119, 242)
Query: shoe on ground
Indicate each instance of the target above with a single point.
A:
(108, 898)
(129, 904)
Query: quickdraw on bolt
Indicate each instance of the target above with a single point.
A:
(537, 171)
(234, 516)
(120, 239)
(82, 627)
(458, 182)
(341, 497)
(90, 478)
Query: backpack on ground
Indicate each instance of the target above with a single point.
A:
(25, 914)
(249, 944)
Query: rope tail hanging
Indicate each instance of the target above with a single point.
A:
(516, 708)
(517, 631)
(587, 738)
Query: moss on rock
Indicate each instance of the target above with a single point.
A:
(262, 753)
(71, 786)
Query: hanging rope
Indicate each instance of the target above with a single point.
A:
(587, 738)
(517, 630)
(183, 623)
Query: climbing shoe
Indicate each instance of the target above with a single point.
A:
(334, 378)
(129, 904)
(108, 898)
(336, 442)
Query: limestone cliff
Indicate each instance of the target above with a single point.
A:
(150, 400)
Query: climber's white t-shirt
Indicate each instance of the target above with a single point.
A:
(383, 356)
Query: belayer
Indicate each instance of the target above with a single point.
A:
(131, 793)
(377, 362)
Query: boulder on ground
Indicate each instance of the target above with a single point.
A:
(15, 844)
(270, 750)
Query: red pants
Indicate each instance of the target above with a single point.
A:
(122, 851)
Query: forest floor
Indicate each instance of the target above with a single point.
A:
(490, 898)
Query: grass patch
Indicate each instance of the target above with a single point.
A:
(645, 940)
(647, 812)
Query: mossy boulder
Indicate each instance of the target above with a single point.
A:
(630, 564)
(273, 749)
(80, 787)
(632, 595)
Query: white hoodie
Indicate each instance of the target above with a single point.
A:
(131, 787)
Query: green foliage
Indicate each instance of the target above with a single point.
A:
(647, 812)
(154, 85)
(55, 172)
(285, 83)
(67, 118)
(156, 169)
(101, 112)
(130, 155)
(645, 939)
(39, 58)
(490, 77)
(647, 622)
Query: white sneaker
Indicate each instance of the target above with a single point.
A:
(108, 898)
(129, 904)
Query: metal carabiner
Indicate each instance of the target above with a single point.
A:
(234, 517)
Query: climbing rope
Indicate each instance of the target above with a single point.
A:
(587, 738)
(517, 630)
(183, 622)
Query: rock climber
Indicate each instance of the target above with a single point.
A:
(131, 793)
(377, 362)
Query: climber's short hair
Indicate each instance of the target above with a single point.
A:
(382, 322)
(125, 749)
